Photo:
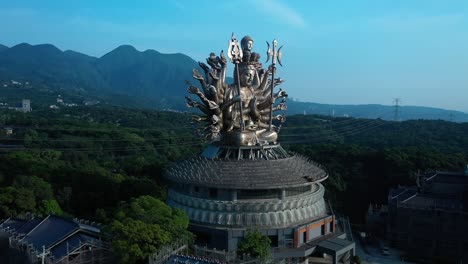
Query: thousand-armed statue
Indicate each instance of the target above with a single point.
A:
(241, 113)
(244, 179)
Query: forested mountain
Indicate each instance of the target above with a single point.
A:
(47, 65)
(3, 47)
(374, 111)
(125, 71)
(128, 77)
(147, 73)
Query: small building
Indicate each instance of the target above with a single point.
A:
(25, 106)
(55, 239)
(8, 131)
(430, 221)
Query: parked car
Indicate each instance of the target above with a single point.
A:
(385, 251)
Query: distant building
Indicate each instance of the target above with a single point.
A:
(55, 239)
(26, 106)
(376, 221)
(91, 102)
(430, 221)
(8, 131)
(15, 82)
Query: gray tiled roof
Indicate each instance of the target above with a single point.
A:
(50, 230)
(293, 171)
(427, 202)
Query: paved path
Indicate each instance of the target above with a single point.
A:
(371, 254)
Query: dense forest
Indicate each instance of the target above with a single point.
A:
(106, 164)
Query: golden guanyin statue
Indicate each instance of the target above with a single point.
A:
(241, 113)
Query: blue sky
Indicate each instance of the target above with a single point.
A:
(337, 52)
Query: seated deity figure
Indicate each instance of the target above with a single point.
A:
(253, 133)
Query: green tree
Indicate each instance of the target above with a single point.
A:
(50, 207)
(256, 245)
(141, 226)
(15, 201)
(41, 189)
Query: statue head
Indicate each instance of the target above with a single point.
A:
(247, 43)
(247, 75)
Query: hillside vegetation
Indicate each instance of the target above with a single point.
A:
(88, 159)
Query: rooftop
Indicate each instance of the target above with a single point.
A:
(292, 171)
(421, 201)
(446, 177)
(58, 235)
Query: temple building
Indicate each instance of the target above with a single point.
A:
(244, 179)
(430, 221)
(52, 240)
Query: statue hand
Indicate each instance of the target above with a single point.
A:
(196, 118)
(278, 81)
(190, 102)
(204, 67)
(282, 106)
(222, 59)
(281, 94)
(214, 76)
(280, 118)
(197, 75)
(270, 69)
(193, 89)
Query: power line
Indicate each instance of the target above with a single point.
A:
(336, 130)
(352, 131)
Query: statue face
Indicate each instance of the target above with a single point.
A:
(247, 77)
(249, 45)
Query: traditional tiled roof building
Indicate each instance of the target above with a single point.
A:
(55, 239)
(430, 221)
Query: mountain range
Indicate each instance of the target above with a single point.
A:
(156, 80)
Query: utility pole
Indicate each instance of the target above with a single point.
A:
(396, 110)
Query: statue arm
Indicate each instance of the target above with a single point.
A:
(197, 75)
(208, 103)
(264, 83)
(193, 103)
(223, 61)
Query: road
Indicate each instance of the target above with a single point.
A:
(371, 254)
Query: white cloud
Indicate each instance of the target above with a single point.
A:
(279, 11)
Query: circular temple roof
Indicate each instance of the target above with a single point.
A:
(291, 171)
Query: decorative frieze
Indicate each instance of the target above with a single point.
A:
(260, 213)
